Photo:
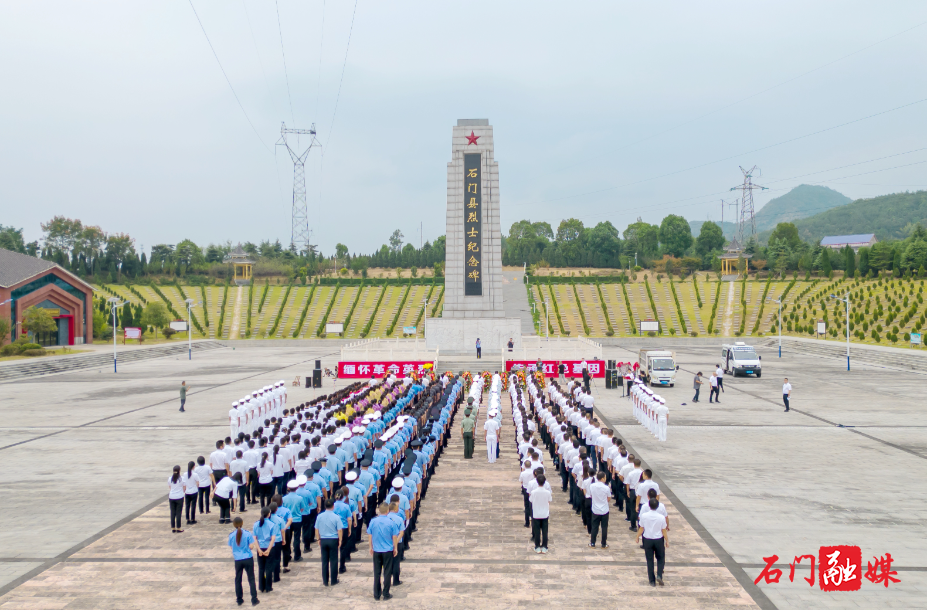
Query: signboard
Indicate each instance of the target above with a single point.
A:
(822, 328)
(473, 225)
(650, 326)
(366, 370)
(179, 325)
(334, 327)
(550, 366)
(408, 330)
(132, 333)
(54, 312)
(574, 368)
(916, 338)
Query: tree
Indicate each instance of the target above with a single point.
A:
(826, 267)
(675, 235)
(710, 238)
(188, 253)
(120, 247)
(896, 262)
(850, 267)
(569, 230)
(864, 261)
(12, 239)
(395, 241)
(91, 243)
(4, 328)
(915, 255)
(341, 251)
(787, 232)
(127, 318)
(37, 320)
(62, 233)
(642, 238)
(160, 255)
(155, 315)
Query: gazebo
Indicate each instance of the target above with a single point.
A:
(242, 265)
(732, 253)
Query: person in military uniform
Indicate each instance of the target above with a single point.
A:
(466, 429)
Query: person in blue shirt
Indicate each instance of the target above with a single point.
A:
(328, 475)
(397, 560)
(266, 533)
(299, 509)
(313, 496)
(384, 544)
(319, 479)
(329, 528)
(343, 510)
(243, 542)
(334, 465)
(280, 516)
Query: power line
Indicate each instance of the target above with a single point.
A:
(755, 150)
(758, 93)
(214, 54)
(341, 82)
(318, 87)
(283, 52)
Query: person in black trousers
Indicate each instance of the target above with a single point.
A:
(175, 498)
(330, 529)
(243, 543)
(266, 534)
(653, 531)
(479, 348)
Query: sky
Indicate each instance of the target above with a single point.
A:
(120, 114)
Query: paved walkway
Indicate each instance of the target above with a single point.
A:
(471, 550)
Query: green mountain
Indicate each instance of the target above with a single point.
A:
(888, 216)
(801, 202)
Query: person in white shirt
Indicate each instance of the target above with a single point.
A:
(205, 482)
(226, 492)
(540, 500)
(630, 486)
(646, 483)
(600, 493)
(713, 386)
(653, 531)
(719, 372)
(240, 466)
(662, 420)
(234, 419)
(191, 491)
(491, 428)
(175, 499)
(218, 461)
(786, 393)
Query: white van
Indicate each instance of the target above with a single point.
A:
(741, 359)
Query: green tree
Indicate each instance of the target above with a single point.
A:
(341, 251)
(395, 241)
(155, 315)
(120, 247)
(864, 261)
(12, 239)
(188, 253)
(896, 262)
(851, 262)
(675, 235)
(569, 230)
(37, 320)
(915, 255)
(62, 233)
(4, 329)
(642, 238)
(710, 238)
(826, 267)
(787, 232)
(127, 318)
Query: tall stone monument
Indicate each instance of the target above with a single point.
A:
(473, 305)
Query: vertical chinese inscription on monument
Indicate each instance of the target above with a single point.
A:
(473, 225)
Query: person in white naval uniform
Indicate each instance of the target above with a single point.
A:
(662, 420)
(234, 419)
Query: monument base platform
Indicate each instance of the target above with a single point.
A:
(459, 335)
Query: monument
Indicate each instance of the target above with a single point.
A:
(473, 306)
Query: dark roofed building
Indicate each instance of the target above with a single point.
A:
(27, 281)
(860, 240)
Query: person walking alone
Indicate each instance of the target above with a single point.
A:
(713, 395)
(786, 393)
(697, 385)
(243, 543)
(183, 395)
(720, 374)
(479, 349)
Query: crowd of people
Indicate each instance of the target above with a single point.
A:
(594, 469)
(359, 458)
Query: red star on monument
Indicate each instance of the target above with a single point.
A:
(471, 139)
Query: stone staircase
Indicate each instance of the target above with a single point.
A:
(457, 363)
(905, 360)
(65, 364)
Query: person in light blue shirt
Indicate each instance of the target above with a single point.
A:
(299, 509)
(313, 496)
(266, 533)
(328, 526)
(343, 510)
(280, 516)
(397, 560)
(243, 542)
(334, 464)
(384, 541)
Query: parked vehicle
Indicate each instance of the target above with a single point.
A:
(741, 359)
(658, 366)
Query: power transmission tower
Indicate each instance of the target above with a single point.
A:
(301, 234)
(747, 212)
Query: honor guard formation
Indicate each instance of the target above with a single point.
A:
(322, 471)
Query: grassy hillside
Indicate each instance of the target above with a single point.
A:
(888, 216)
(801, 202)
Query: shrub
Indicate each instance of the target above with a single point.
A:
(9, 350)
(33, 352)
(168, 332)
(25, 346)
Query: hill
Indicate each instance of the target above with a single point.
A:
(801, 202)
(888, 216)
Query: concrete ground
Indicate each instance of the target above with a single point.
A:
(88, 454)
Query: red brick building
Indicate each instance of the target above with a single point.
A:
(27, 281)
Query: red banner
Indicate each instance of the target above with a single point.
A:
(550, 366)
(366, 370)
(574, 368)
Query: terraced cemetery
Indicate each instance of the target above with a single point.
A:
(883, 310)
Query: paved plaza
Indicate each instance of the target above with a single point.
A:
(87, 456)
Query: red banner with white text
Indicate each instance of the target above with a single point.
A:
(361, 370)
(550, 366)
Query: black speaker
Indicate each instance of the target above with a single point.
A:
(317, 378)
(608, 379)
(612, 379)
(308, 381)
(318, 365)
(611, 364)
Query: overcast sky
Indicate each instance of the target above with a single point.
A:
(117, 113)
